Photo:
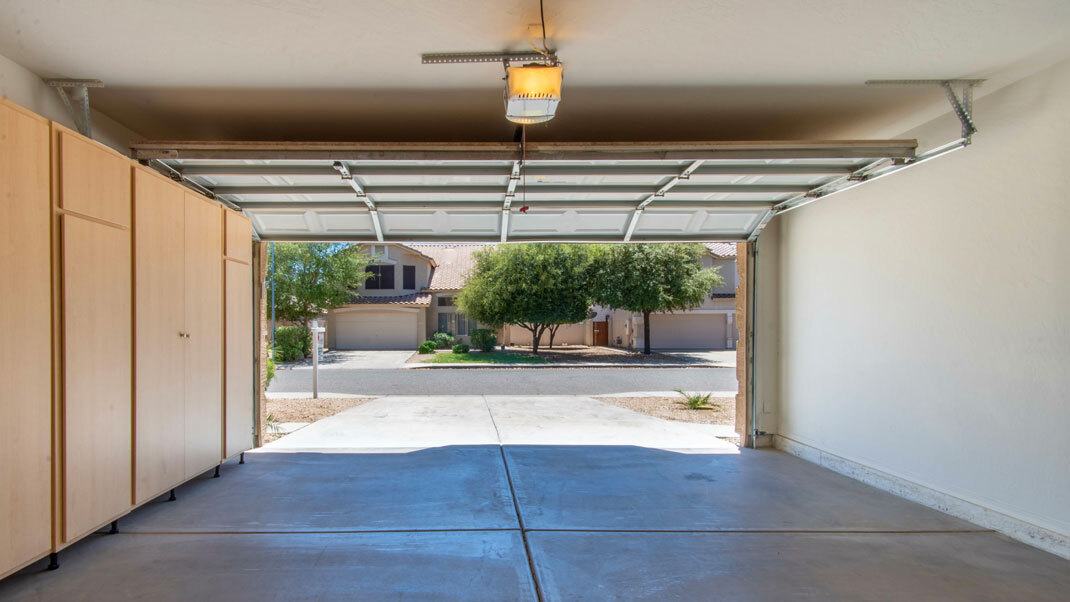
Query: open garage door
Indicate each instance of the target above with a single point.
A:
(377, 330)
(486, 192)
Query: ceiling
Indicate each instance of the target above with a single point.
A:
(484, 192)
(634, 70)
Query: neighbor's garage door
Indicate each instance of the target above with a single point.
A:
(376, 330)
(688, 331)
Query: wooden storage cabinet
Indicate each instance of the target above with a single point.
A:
(204, 327)
(159, 268)
(94, 439)
(26, 397)
(97, 374)
(239, 347)
(108, 262)
(179, 301)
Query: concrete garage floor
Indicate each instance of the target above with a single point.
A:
(512, 498)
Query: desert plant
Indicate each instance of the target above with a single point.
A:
(695, 401)
(272, 424)
(443, 340)
(462, 348)
(427, 347)
(292, 343)
(484, 339)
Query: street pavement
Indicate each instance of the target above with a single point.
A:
(506, 381)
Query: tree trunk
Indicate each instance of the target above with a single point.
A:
(535, 335)
(646, 332)
(553, 333)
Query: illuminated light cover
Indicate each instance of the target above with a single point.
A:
(532, 93)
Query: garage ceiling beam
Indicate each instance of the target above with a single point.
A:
(536, 151)
(536, 189)
(611, 169)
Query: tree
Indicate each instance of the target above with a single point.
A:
(535, 286)
(312, 277)
(651, 278)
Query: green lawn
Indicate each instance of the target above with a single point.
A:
(493, 357)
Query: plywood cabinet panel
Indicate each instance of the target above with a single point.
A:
(239, 237)
(204, 323)
(97, 361)
(160, 345)
(239, 357)
(93, 181)
(26, 396)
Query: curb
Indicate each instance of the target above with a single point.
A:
(474, 366)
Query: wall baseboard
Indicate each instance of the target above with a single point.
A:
(1028, 533)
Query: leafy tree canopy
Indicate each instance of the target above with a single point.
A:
(535, 286)
(312, 277)
(651, 278)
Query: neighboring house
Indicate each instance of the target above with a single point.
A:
(411, 295)
(709, 326)
(413, 291)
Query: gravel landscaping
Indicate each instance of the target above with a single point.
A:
(308, 410)
(722, 410)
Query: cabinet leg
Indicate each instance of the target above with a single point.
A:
(53, 561)
(216, 475)
(114, 527)
(172, 498)
(242, 458)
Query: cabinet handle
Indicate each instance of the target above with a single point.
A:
(181, 335)
(187, 335)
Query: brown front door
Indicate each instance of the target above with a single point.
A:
(601, 333)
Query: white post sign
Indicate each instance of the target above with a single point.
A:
(317, 351)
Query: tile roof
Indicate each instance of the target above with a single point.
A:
(411, 299)
(722, 250)
(453, 263)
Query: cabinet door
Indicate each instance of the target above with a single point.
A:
(97, 358)
(160, 347)
(239, 354)
(26, 396)
(204, 323)
(94, 181)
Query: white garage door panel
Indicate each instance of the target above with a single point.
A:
(376, 330)
(688, 331)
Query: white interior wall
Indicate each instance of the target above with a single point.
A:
(26, 89)
(924, 319)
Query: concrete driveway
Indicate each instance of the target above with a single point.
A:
(353, 360)
(534, 498)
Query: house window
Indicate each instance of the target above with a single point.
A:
(445, 302)
(408, 277)
(382, 278)
(455, 324)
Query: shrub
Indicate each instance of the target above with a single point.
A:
(292, 343)
(462, 348)
(484, 339)
(270, 370)
(426, 347)
(443, 340)
(695, 401)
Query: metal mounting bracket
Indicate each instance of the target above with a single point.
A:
(373, 211)
(76, 92)
(963, 107)
(486, 57)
